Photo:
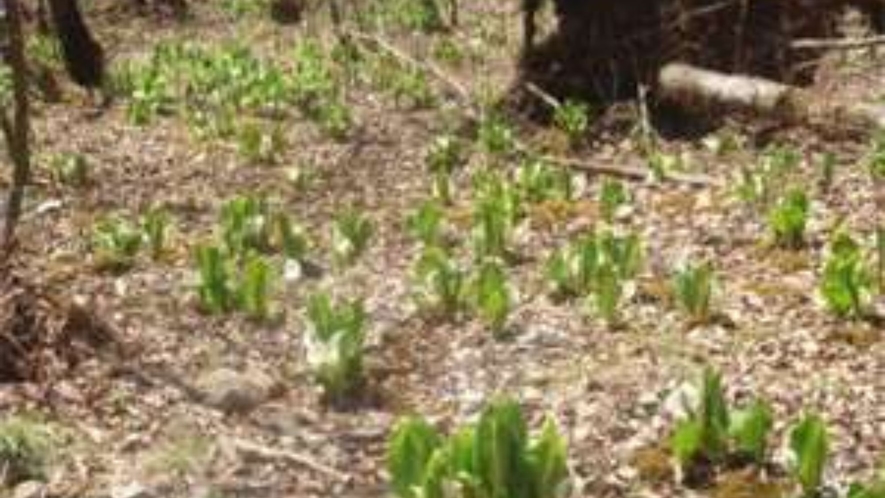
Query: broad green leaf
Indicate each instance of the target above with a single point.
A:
(548, 457)
(492, 295)
(501, 442)
(809, 446)
(713, 415)
(750, 428)
(411, 447)
(873, 490)
(685, 443)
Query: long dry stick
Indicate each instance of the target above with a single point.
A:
(474, 112)
(257, 451)
(837, 43)
(17, 129)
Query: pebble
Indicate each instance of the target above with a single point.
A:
(235, 392)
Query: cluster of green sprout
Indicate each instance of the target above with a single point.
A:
(495, 457)
(334, 343)
(116, 241)
(426, 16)
(714, 435)
(236, 272)
(847, 278)
(596, 266)
(573, 119)
(214, 87)
(693, 286)
(759, 186)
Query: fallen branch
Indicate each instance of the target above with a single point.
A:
(260, 452)
(639, 173)
(545, 97)
(700, 88)
(837, 43)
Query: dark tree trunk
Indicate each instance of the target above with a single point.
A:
(16, 128)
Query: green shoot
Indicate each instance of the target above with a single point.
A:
(845, 282)
(412, 445)
(809, 447)
(335, 345)
(496, 457)
(440, 284)
(245, 225)
(693, 288)
(788, 220)
(115, 243)
(215, 287)
(495, 136)
(256, 282)
(250, 224)
(155, 225)
(749, 429)
(495, 212)
(259, 145)
(538, 182)
(491, 228)
(572, 118)
(291, 238)
(703, 435)
(350, 237)
(609, 289)
(71, 169)
(596, 263)
(444, 156)
(612, 196)
(425, 224)
(492, 296)
(874, 489)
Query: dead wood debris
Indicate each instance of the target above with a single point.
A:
(700, 88)
(41, 336)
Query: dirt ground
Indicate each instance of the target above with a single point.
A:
(130, 426)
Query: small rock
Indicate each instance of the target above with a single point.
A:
(236, 392)
(30, 489)
(131, 490)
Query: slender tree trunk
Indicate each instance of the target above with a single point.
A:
(16, 128)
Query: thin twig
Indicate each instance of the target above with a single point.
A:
(545, 97)
(837, 43)
(639, 173)
(261, 452)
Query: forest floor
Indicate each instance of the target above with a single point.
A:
(136, 427)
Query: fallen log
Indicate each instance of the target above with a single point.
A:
(696, 88)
